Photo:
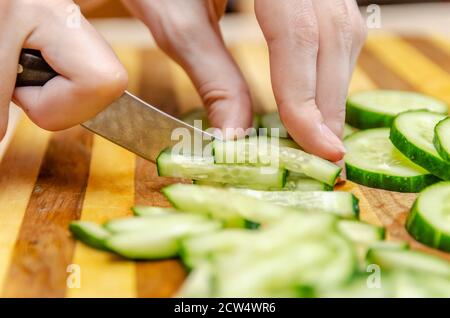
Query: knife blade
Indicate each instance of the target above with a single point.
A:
(128, 122)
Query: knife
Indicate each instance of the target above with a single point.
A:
(128, 122)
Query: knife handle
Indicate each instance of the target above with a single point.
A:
(33, 70)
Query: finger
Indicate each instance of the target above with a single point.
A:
(186, 32)
(10, 44)
(359, 31)
(90, 75)
(292, 33)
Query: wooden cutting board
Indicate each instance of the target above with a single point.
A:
(49, 179)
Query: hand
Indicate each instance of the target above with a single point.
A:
(313, 48)
(91, 76)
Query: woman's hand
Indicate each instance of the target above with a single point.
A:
(313, 48)
(91, 76)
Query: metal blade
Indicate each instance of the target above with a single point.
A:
(139, 127)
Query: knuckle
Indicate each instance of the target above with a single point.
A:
(107, 81)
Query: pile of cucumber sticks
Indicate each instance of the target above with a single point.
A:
(244, 229)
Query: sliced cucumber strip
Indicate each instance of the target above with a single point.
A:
(343, 204)
(372, 109)
(176, 225)
(142, 245)
(300, 182)
(269, 153)
(140, 210)
(90, 234)
(199, 283)
(358, 288)
(232, 208)
(197, 249)
(429, 220)
(396, 245)
(373, 161)
(442, 138)
(408, 260)
(273, 121)
(412, 133)
(200, 168)
(361, 232)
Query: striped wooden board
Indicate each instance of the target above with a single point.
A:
(49, 179)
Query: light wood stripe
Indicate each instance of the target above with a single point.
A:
(440, 41)
(44, 248)
(360, 81)
(18, 172)
(109, 194)
(411, 65)
(431, 50)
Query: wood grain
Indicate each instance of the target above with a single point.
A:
(109, 194)
(44, 247)
(18, 172)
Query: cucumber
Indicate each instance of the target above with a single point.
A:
(373, 161)
(408, 260)
(300, 182)
(90, 234)
(177, 224)
(412, 133)
(269, 153)
(396, 245)
(143, 245)
(273, 121)
(140, 210)
(197, 249)
(199, 283)
(372, 109)
(233, 209)
(429, 220)
(343, 204)
(361, 232)
(317, 263)
(441, 139)
(200, 168)
(348, 130)
(358, 288)
(414, 285)
(294, 182)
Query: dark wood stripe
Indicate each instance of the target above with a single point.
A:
(161, 278)
(156, 84)
(44, 247)
(431, 51)
(380, 74)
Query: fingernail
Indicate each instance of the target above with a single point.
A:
(332, 138)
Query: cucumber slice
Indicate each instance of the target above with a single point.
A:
(199, 283)
(348, 130)
(199, 168)
(358, 288)
(140, 210)
(90, 234)
(177, 225)
(343, 204)
(195, 250)
(408, 260)
(373, 161)
(143, 245)
(269, 153)
(361, 232)
(412, 133)
(429, 220)
(372, 109)
(442, 138)
(273, 121)
(414, 285)
(396, 245)
(232, 208)
(300, 182)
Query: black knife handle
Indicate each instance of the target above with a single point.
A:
(33, 70)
